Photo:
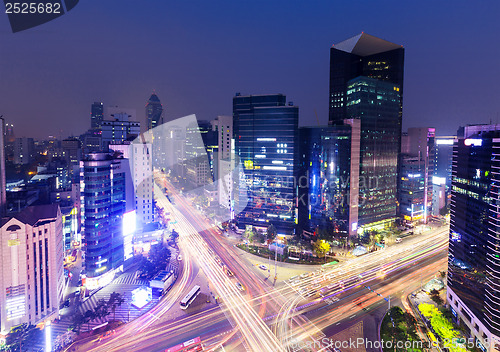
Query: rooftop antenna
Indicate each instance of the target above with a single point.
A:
(317, 118)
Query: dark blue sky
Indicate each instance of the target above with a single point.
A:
(197, 54)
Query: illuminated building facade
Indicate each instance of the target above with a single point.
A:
(266, 137)
(377, 105)
(31, 275)
(415, 190)
(106, 189)
(324, 198)
(119, 129)
(443, 161)
(366, 82)
(474, 244)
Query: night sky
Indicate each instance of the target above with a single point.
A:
(197, 54)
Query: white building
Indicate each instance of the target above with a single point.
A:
(31, 274)
(141, 165)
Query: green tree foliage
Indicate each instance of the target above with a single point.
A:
(321, 247)
(18, 335)
(271, 233)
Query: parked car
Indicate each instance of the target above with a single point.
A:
(263, 267)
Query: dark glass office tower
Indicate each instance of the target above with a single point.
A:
(362, 55)
(154, 112)
(323, 183)
(474, 249)
(359, 67)
(377, 105)
(265, 133)
(96, 115)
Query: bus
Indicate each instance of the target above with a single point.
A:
(188, 346)
(190, 297)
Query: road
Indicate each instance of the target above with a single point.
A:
(268, 316)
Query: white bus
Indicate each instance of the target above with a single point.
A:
(190, 297)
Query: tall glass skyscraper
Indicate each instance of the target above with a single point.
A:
(96, 115)
(265, 133)
(366, 83)
(376, 104)
(154, 112)
(324, 178)
(474, 252)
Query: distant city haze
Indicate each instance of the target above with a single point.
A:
(197, 55)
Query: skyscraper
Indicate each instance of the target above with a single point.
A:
(362, 55)
(376, 104)
(107, 194)
(96, 115)
(324, 199)
(24, 149)
(266, 137)
(366, 83)
(154, 112)
(225, 160)
(32, 278)
(3, 185)
(474, 259)
(119, 129)
(416, 171)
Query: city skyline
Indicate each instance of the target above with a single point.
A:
(176, 49)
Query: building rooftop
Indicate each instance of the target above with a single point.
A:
(365, 44)
(32, 214)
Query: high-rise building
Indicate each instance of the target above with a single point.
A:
(366, 83)
(96, 115)
(324, 194)
(106, 196)
(119, 129)
(3, 184)
(24, 149)
(362, 55)
(266, 142)
(154, 112)
(141, 164)
(198, 171)
(416, 174)
(474, 244)
(32, 277)
(225, 160)
(377, 105)
(443, 161)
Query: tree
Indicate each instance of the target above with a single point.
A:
(77, 320)
(101, 310)
(436, 297)
(19, 334)
(88, 317)
(271, 233)
(321, 247)
(115, 300)
(159, 255)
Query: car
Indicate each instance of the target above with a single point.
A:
(293, 278)
(106, 335)
(304, 275)
(240, 286)
(179, 257)
(263, 267)
(398, 240)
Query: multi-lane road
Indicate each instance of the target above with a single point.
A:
(266, 317)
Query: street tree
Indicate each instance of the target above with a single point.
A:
(19, 334)
(115, 300)
(271, 233)
(321, 247)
